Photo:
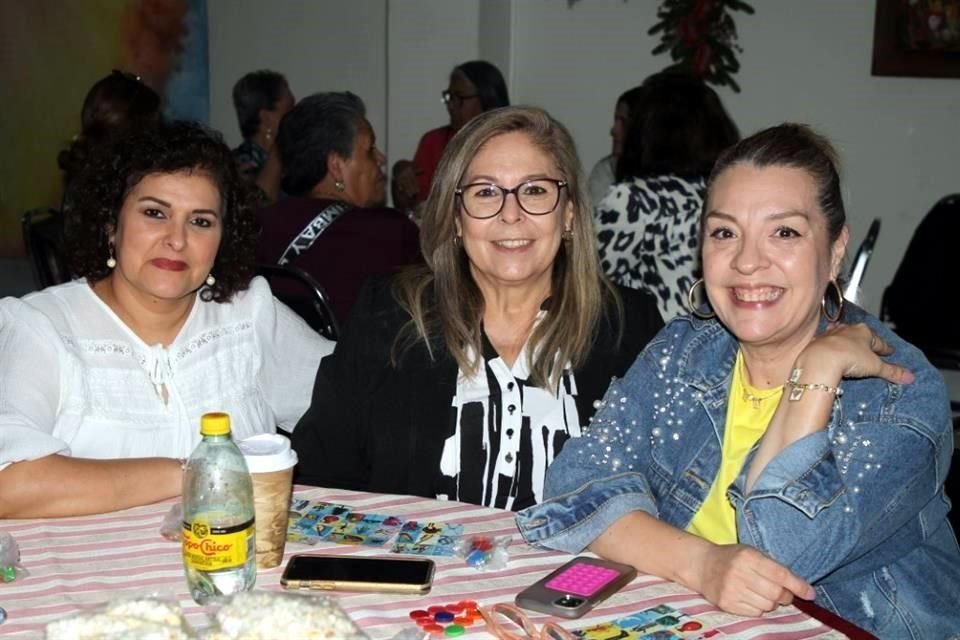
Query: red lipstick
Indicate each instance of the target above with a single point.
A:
(169, 265)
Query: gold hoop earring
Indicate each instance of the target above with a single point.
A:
(567, 235)
(456, 241)
(823, 303)
(692, 306)
(210, 280)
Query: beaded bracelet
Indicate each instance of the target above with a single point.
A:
(797, 388)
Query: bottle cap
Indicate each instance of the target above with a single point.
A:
(215, 424)
(267, 452)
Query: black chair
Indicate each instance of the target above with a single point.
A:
(919, 301)
(301, 292)
(918, 304)
(43, 241)
(861, 259)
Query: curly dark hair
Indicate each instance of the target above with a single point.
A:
(113, 169)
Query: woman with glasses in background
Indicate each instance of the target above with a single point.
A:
(462, 378)
(475, 87)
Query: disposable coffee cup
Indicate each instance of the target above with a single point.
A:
(270, 461)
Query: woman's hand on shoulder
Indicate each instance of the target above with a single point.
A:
(850, 351)
(741, 580)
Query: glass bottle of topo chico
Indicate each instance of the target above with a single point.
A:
(219, 546)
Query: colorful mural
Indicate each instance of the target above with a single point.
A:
(52, 51)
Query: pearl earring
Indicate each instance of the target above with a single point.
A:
(210, 280)
(111, 261)
(269, 134)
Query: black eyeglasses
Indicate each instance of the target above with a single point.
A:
(448, 96)
(485, 200)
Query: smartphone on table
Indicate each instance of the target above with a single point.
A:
(576, 587)
(358, 573)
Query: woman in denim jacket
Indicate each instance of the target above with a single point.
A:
(780, 444)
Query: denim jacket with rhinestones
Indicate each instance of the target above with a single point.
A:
(857, 509)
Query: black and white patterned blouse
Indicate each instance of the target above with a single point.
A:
(648, 233)
(506, 432)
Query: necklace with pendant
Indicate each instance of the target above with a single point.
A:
(754, 399)
(757, 400)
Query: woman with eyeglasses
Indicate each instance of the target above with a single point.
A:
(475, 87)
(461, 379)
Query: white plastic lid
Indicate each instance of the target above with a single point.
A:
(267, 452)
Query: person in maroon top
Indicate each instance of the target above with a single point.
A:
(475, 87)
(333, 225)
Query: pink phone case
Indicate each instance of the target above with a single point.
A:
(576, 587)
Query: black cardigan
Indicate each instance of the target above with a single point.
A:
(375, 427)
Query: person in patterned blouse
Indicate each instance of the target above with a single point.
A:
(647, 224)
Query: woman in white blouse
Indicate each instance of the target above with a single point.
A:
(103, 380)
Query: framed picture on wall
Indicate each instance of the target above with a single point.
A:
(917, 38)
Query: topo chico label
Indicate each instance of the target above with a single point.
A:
(213, 548)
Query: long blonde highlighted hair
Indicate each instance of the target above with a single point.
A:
(443, 300)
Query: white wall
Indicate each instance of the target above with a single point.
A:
(803, 61)
(319, 46)
(806, 61)
(427, 39)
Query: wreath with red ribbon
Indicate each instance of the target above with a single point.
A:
(702, 37)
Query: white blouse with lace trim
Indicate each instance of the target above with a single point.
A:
(75, 380)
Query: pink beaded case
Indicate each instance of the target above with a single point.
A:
(576, 587)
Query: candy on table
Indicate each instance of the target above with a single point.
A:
(484, 552)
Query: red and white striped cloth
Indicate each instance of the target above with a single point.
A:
(79, 563)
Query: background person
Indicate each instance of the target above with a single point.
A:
(603, 174)
(261, 99)
(647, 224)
(463, 378)
(333, 223)
(114, 104)
(790, 446)
(104, 379)
(475, 87)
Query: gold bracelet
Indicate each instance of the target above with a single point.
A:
(797, 388)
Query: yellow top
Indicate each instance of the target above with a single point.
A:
(215, 424)
(748, 414)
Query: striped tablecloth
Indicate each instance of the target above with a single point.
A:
(78, 563)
